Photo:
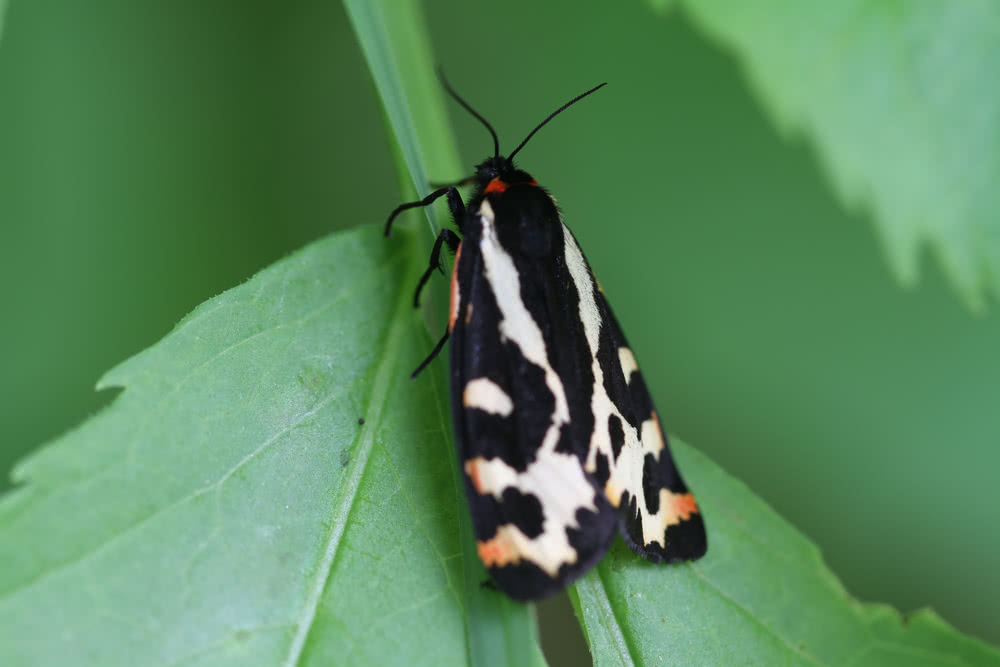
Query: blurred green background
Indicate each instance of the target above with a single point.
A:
(155, 154)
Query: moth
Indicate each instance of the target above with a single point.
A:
(558, 439)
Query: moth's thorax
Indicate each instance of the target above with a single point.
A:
(521, 216)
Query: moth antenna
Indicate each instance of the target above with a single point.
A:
(451, 91)
(553, 115)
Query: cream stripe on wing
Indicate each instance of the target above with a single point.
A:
(556, 479)
(517, 324)
(627, 361)
(626, 471)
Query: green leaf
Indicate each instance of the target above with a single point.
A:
(762, 596)
(898, 102)
(229, 508)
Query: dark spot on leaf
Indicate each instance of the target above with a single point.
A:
(315, 378)
(361, 421)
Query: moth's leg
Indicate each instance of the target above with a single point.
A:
(455, 205)
(468, 180)
(446, 236)
(457, 208)
(430, 357)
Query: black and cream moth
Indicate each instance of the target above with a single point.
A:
(557, 435)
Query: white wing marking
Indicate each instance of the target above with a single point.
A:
(555, 479)
(626, 470)
(486, 395)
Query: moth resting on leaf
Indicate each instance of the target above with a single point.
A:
(557, 435)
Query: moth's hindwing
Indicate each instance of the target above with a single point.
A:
(628, 453)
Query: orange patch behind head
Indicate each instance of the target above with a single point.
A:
(496, 185)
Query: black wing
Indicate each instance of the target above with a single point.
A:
(519, 357)
(628, 453)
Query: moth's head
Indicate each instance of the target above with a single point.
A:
(493, 167)
(500, 168)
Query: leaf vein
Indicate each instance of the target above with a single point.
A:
(216, 485)
(594, 587)
(352, 480)
(753, 617)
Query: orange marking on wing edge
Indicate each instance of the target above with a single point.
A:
(498, 551)
(455, 296)
(472, 470)
(496, 185)
(684, 505)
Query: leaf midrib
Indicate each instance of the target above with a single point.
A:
(608, 616)
(385, 370)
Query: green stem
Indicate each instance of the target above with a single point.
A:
(394, 38)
